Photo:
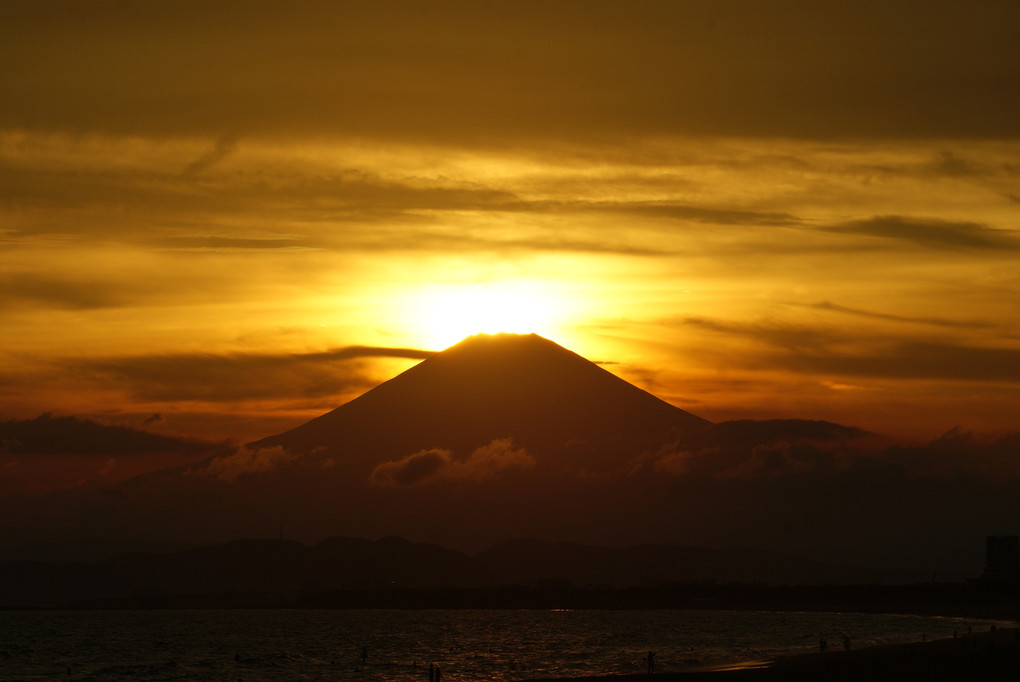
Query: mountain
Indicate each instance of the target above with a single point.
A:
(564, 410)
(508, 436)
(255, 572)
(49, 434)
(271, 567)
(52, 452)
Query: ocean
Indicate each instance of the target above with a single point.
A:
(390, 645)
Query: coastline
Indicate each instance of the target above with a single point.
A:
(986, 655)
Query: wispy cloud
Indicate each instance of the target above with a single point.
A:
(240, 376)
(932, 233)
(223, 147)
(914, 360)
(933, 321)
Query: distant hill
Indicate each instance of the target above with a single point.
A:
(60, 452)
(49, 434)
(271, 567)
(282, 570)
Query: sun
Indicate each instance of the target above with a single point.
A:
(445, 314)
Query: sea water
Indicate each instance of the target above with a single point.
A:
(389, 645)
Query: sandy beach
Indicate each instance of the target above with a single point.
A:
(980, 656)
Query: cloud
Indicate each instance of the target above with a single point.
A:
(418, 468)
(243, 461)
(914, 360)
(673, 462)
(239, 376)
(770, 332)
(699, 214)
(932, 233)
(223, 148)
(934, 321)
(767, 460)
(156, 418)
(492, 73)
(59, 291)
(434, 465)
(840, 352)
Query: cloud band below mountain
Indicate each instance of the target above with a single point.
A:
(434, 465)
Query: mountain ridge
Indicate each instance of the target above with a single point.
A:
(288, 567)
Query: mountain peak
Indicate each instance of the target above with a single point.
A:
(523, 388)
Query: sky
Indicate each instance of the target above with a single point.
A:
(224, 219)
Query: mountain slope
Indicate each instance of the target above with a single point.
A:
(564, 410)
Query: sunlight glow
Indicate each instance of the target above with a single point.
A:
(445, 314)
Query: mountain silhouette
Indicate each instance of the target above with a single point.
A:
(565, 411)
(512, 436)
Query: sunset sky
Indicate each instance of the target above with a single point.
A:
(222, 219)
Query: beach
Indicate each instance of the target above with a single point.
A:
(978, 656)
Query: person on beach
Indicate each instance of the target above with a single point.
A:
(651, 662)
(846, 643)
(823, 646)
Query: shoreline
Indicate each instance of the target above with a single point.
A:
(984, 655)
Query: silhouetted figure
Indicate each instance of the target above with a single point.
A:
(432, 672)
(439, 674)
(364, 654)
(846, 643)
(651, 662)
(955, 633)
(823, 646)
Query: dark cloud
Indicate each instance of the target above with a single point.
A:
(769, 332)
(933, 321)
(700, 214)
(839, 352)
(105, 199)
(223, 148)
(438, 464)
(242, 460)
(932, 233)
(415, 469)
(748, 449)
(773, 459)
(961, 453)
(492, 72)
(59, 291)
(914, 360)
(156, 418)
(240, 376)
